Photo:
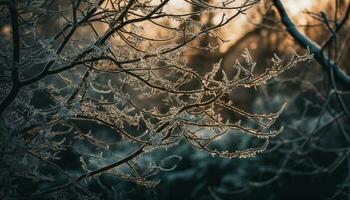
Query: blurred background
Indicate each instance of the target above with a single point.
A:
(308, 160)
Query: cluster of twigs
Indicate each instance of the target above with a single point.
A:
(95, 62)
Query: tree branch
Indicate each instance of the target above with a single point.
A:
(98, 171)
(338, 27)
(15, 57)
(327, 64)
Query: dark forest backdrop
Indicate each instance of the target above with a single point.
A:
(174, 99)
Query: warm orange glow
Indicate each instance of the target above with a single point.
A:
(232, 31)
(296, 6)
(242, 24)
(6, 30)
(177, 7)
